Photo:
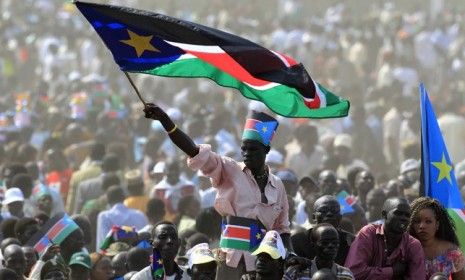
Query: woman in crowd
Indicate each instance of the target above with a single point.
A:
(431, 224)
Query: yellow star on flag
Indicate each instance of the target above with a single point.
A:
(444, 169)
(160, 261)
(140, 43)
(264, 129)
(258, 236)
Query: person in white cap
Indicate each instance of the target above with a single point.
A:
(14, 202)
(202, 263)
(270, 258)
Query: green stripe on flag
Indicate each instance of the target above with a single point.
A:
(234, 244)
(63, 234)
(281, 99)
(459, 219)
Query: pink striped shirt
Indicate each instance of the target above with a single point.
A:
(239, 195)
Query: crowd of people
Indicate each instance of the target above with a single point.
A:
(188, 189)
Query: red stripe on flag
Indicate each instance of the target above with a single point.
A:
(227, 64)
(251, 123)
(55, 230)
(313, 104)
(236, 232)
(289, 60)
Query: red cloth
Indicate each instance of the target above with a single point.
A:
(59, 180)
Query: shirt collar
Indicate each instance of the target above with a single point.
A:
(271, 178)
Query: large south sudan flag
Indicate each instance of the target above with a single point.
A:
(156, 44)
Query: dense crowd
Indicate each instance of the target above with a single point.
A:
(123, 191)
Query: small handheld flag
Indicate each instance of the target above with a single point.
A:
(346, 201)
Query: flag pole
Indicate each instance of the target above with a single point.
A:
(135, 88)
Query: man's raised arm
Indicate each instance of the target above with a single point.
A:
(179, 138)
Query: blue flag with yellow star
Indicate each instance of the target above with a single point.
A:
(438, 176)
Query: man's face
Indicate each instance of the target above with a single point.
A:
(75, 241)
(28, 233)
(16, 208)
(16, 261)
(55, 275)
(253, 154)
(44, 203)
(172, 173)
(206, 271)
(364, 182)
(267, 267)
(166, 240)
(327, 211)
(327, 243)
(397, 218)
(327, 182)
(31, 257)
(79, 272)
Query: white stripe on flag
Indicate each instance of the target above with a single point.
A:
(235, 238)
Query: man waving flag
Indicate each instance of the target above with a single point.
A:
(438, 176)
(150, 43)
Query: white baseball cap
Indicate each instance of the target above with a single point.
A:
(200, 254)
(272, 245)
(13, 195)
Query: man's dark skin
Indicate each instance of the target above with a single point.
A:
(166, 241)
(204, 271)
(364, 182)
(267, 268)
(31, 258)
(327, 182)
(253, 153)
(14, 259)
(396, 212)
(326, 209)
(30, 230)
(375, 200)
(326, 240)
(72, 244)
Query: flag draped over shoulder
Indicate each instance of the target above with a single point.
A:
(438, 176)
(151, 43)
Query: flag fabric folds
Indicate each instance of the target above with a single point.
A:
(438, 175)
(54, 231)
(241, 236)
(155, 44)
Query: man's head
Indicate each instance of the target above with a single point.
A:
(374, 203)
(110, 163)
(155, 210)
(6, 273)
(173, 171)
(290, 181)
(364, 182)
(10, 170)
(324, 274)
(326, 241)
(24, 183)
(110, 179)
(31, 258)
(119, 264)
(115, 194)
(74, 242)
(327, 182)
(166, 240)
(54, 269)
(80, 266)
(343, 147)
(135, 182)
(44, 200)
(14, 259)
(84, 223)
(201, 263)
(25, 228)
(307, 136)
(258, 132)
(14, 201)
(327, 209)
(270, 256)
(410, 169)
(137, 259)
(97, 151)
(308, 185)
(396, 212)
